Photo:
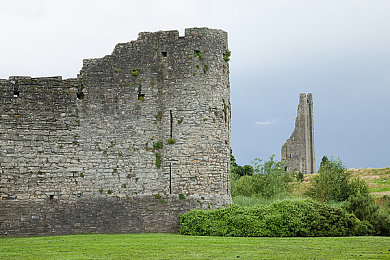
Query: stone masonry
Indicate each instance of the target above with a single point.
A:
(298, 151)
(139, 137)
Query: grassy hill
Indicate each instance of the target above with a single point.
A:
(378, 181)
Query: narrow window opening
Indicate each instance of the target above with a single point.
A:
(285, 168)
(164, 53)
(51, 197)
(291, 155)
(170, 178)
(170, 112)
(16, 93)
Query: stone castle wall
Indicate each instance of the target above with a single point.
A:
(298, 151)
(80, 154)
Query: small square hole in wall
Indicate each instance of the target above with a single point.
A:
(16, 93)
(141, 97)
(164, 53)
(51, 197)
(80, 95)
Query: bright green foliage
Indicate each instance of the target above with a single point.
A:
(269, 180)
(376, 220)
(158, 160)
(205, 68)
(174, 246)
(268, 167)
(237, 171)
(283, 218)
(243, 170)
(251, 201)
(135, 72)
(262, 186)
(324, 161)
(334, 183)
(298, 176)
(158, 145)
(171, 141)
(198, 54)
(226, 56)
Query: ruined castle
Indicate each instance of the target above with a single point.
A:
(298, 151)
(139, 137)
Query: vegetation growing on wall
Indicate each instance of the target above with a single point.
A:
(158, 160)
(227, 55)
(158, 145)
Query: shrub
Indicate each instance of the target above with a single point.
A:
(242, 170)
(299, 176)
(324, 161)
(283, 218)
(262, 186)
(377, 220)
(333, 182)
(269, 180)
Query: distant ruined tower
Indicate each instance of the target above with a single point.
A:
(298, 150)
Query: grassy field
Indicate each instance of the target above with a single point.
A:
(378, 180)
(172, 246)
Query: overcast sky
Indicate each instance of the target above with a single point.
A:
(337, 49)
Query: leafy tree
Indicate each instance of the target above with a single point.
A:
(269, 181)
(324, 161)
(334, 183)
(268, 167)
(237, 171)
(376, 220)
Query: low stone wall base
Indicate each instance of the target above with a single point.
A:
(147, 213)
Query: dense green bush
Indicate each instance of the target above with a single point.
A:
(333, 182)
(275, 185)
(269, 181)
(283, 218)
(376, 220)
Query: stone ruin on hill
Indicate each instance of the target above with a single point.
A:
(139, 137)
(298, 151)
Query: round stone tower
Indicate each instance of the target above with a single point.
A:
(141, 136)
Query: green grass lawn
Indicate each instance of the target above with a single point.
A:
(172, 246)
